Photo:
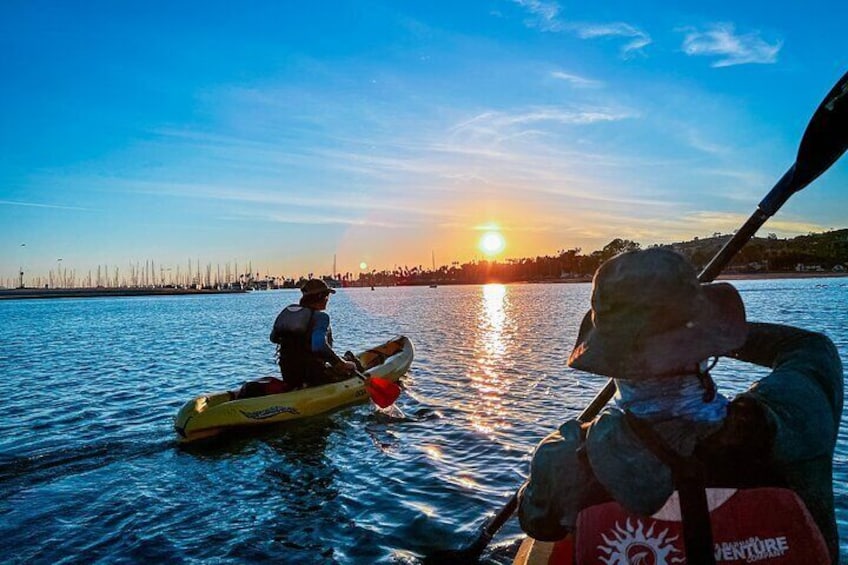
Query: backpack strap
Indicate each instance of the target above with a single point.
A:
(688, 478)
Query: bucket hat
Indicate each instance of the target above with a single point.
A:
(650, 317)
(316, 286)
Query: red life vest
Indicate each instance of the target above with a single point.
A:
(759, 525)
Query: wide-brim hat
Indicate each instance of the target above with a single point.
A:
(316, 286)
(650, 316)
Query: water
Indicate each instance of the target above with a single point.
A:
(90, 470)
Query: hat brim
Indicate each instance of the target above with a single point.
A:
(327, 291)
(717, 329)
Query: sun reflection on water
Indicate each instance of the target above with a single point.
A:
(433, 452)
(491, 349)
(465, 480)
(492, 318)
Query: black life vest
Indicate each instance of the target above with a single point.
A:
(292, 333)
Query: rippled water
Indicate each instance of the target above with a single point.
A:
(90, 470)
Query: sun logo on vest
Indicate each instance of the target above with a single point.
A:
(634, 545)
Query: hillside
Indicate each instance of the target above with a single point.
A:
(824, 251)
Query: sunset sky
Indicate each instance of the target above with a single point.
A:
(282, 134)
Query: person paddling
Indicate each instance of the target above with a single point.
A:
(304, 340)
(674, 468)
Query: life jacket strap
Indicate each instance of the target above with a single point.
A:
(688, 477)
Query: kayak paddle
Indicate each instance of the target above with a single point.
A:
(824, 141)
(383, 392)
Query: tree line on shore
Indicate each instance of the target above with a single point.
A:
(826, 251)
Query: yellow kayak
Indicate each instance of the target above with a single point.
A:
(210, 414)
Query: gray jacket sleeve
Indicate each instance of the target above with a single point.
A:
(801, 402)
(803, 394)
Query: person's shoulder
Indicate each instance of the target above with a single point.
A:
(321, 317)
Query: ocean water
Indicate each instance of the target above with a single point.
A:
(90, 470)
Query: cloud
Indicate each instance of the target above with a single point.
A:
(720, 40)
(317, 218)
(501, 120)
(337, 210)
(575, 80)
(638, 38)
(545, 14)
(545, 17)
(37, 205)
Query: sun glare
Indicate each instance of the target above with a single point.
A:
(492, 243)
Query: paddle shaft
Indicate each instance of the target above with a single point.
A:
(824, 142)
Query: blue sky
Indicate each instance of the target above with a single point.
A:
(283, 134)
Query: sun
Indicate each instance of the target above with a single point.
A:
(492, 243)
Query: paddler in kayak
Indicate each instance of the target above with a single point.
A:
(753, 475)
(304, 340)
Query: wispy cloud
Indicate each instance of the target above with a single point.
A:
(638, 38)
(499, 120)
(545, 16)
(327, 208)
(313, 219)
(697, 139)
(720, 40)
(38, 205)
(576, 80)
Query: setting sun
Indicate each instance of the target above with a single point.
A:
(492, 243)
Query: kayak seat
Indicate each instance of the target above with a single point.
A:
(262, 387)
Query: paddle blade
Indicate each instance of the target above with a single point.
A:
(826, 137)
(824, 141)
(382, 392)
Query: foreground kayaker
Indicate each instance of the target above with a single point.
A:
(751, 477)
(304, 340)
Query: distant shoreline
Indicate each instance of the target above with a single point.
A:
(786, 275)
(47, 293)
(725, 276)
(41, 293)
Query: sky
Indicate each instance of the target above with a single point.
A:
(290, 136)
